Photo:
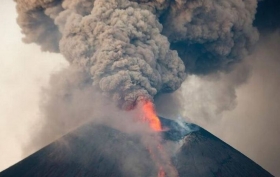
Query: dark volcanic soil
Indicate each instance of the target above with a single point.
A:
(100, 151)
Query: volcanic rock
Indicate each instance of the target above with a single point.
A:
(101, 151)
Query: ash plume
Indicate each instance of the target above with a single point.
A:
(130, 51)
(211, 35)
(144, 49)
(134, 50)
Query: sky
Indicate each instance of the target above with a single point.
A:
(251, 126)
(24, 70)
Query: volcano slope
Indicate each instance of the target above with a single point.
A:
(101, 151)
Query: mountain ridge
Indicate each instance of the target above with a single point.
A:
(99, 150)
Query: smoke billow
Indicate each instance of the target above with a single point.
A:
(133, 50)
(204, 99)
(211, 35)
(240, 106)
(256, 116)
(130, 49)
(37, 26)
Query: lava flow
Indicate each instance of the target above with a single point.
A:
(150, 116)
(158, 154)
(161, 172)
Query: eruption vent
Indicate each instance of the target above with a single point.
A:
(156, 150)
(150, 116)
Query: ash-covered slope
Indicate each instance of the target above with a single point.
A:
(90, 151)
(100, 151)
(203, 154)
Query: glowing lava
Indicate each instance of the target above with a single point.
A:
(150, 116)
(157, 152)
(161, 172)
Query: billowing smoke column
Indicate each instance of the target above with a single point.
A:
(133, 50)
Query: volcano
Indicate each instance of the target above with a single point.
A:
(101, 151)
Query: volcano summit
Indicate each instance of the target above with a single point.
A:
(101, 151)
(128, 52)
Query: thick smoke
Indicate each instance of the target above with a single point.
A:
(211, 35)
(129, 49)
(140, 49)
(241, 106)
(36, 21)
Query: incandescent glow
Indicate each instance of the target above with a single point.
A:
(150, 116)
(161, 172)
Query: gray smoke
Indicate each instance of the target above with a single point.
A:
(204, 99)
(211, 35)
(134, 50)
(34, 18)
(144, 49)
(256, 116)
